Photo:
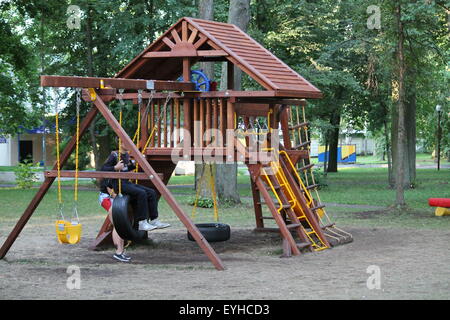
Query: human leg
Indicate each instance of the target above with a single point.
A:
(139, 197)
(152, 200)
(117, 240)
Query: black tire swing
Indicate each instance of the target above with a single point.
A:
(212, 232)
(123, 219)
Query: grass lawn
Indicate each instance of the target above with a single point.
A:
(348, 193)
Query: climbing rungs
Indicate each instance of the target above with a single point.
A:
(293, 225)
(301, 145)
(313, 186)
(300, 125)
(328, 225)
(275, 187)
(309, 166)
(302, 245)
(284, 206)
(318, 207)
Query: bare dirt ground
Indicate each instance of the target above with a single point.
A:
(414, 264)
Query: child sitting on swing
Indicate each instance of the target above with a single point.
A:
(146, 198)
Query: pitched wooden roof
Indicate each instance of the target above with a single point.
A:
(204, 40)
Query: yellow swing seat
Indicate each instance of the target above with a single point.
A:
(68, 232)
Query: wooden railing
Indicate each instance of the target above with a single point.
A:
(206, 122)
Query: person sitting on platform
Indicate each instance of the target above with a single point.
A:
(145, 198)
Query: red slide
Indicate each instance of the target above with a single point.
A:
(439, 202)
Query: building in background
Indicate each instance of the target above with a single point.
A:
(34, 144)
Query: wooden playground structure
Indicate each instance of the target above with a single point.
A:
(180, 122)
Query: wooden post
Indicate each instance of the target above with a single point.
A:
(46, 185)
(152, 123)
(187, 141)
(186, 70)
(230, 129)
(223, 121)
(159, 185)
(196, 133)
(284, 119)
(202, 122)
(208, 121)
(178, 116)
(159, 122)
(215, 120)
(172, 124)
(165, 106)
(144, 130)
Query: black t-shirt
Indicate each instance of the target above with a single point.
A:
(109, 164)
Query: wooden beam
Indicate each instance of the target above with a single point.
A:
(299, 94)
(258, 100)
(183, 54)
(96, 83)
(202, 39)
(193, 36)
(99, 174)
(175, 36)
(211, 53)
(252, 110)
(184, 31)
(168, 42)
(159, 185)
(45, 186)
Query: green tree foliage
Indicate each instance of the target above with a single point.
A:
(328, 42)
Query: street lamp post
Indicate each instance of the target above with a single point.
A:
(439, 110)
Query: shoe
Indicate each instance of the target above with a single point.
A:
(145, 226)
(122, 257)
(158, 224)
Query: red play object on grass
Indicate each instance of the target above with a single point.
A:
(439, 202)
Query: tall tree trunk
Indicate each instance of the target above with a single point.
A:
(388, 154)
(226, 174)
(407, 157)
(401, 132)
(333, 137)
(206, 12)
(410, 127)
(44, 95)
(239, 15)
(335, 121)
(150, 5)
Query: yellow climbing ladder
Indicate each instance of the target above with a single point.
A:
(298, 127)
(284, 191)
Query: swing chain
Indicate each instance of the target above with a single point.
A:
(161, 112)
(55, 90)
(169, 96)
(78, 100)
(75, 203)
(60, 202)
(121, 91)
(152, 93)
(140, 97)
